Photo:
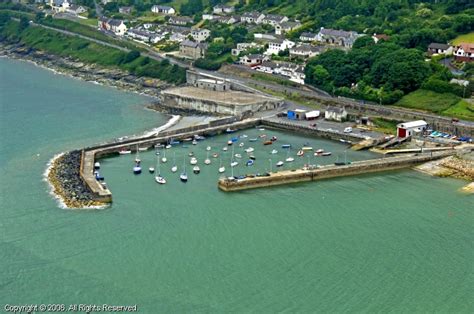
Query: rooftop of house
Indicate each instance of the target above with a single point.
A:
(337, 33)
(290, 24)
(306, 48)
(253, 14)
(335, 109)
(438, 46)
(115, 22)
(308, 34)
(467, 47)
(162, 7)
(274, 17)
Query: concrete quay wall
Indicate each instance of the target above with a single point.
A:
(329, 171)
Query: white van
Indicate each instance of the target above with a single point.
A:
(348, 130)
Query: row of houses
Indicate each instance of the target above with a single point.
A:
(66, 6)
(463, 52)
(334, 37)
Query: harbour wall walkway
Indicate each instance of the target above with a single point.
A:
(328, 171)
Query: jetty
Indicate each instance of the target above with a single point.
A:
(313, 173)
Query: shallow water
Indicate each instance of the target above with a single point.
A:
(399, 241)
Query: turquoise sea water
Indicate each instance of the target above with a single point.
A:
(399, 242)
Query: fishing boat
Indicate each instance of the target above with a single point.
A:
(184, 176)
(221, 167)
(241, 144)
(306, 148)
(164, 159)
(250, 149)
(229, 130)
(125, 152)
(326, 154)
(193, 161)
(273, 139)
(191, 154)
(238, 156)
(253, 139)
(273, 152)
(194, 142)
(208, 148)
(207, 161)
(174, 168)
(229, 142)
(97, 165)
(300, 153)
(151, 170)
(196, 169)
(267, 143)
(215, 155)
(224, 149)
(249, 162)
(159, 178)
(286, 146)
(280, 163)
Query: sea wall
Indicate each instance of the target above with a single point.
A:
(329, 171)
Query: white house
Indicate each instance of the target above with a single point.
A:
(222, 8)
(411, 128)
(274, 19)
(200, 34)
(436, 49)
(252, 17)
(59, 5)
(337, 37)
(252, 60)
(76, 9)
(241, 47)
(464, 52)
(335, 114)
(225, 19)
(275, 46)
(286, 27)
(304, 51)
(163, 9)
(306, 36)
(116, 26)
(180, 20)
(139, 35)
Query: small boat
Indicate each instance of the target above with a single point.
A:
(250, 149)
(273, 139)
(164, 159)
(326, 154)
(241, 144)
(267, 143)
(244, 136)
(249, 162)
(98, 177)
(262, 136)
(234, 139)
(221, 167)
(286, 146)
(151, 170)
(157, 153)
(193, 161)
(199, 137)
(208, 148)
(174, 142)
(280, 163)
(184, 176)
(300, 153)
(238, 156)
(290, 159)
(234, 163)
(125, 151)
(137, 169)
(191, 154)
(215, 155)
(253, 139)
(168, 146)
(261, 129)
(143, 149)
(97, 165)
(196, 169)
(194, 142)
(224, 148)
(252, 157)
(159, 179)
(320, 151)
(229, 142)
(174, 168)
(229, 130)
(273, 152)
(188, 139)
(207, 161)
(160, 146)
(104, 185)
(305, 148)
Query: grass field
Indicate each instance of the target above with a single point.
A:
(466, 38)
(443, 104)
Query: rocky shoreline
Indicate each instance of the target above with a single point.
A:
(87, 72)
(67, 184)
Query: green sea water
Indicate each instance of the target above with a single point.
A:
(394, 242)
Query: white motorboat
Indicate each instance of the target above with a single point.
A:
(207, 161)
(241, 144)
(151, 170)
(168, 146)
(305, 148)
(221, 167)
(97, 165)
(194, 142)
(234, 163)
(174, 168)
(326, 154)
(193, 161)
(159, 179)
(125, 152)
(238, 156)
(183, 176)
(250, 149)
(273, 152)
(290, 159)
(320, 151)
(300, 153)
(164, 159)
(244, 136)
(215, 155)
(143, 149)
(280, 163)
(196, 169)
(224, 149)
(208, 148)
(229, 142)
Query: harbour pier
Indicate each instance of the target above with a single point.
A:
(328, 171)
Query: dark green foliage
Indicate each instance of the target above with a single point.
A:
(132, 55)
(207, 64)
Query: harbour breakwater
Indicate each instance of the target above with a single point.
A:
(88, 72)
(327, 172)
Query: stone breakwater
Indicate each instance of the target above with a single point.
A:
(65, 179)
(88, 72)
